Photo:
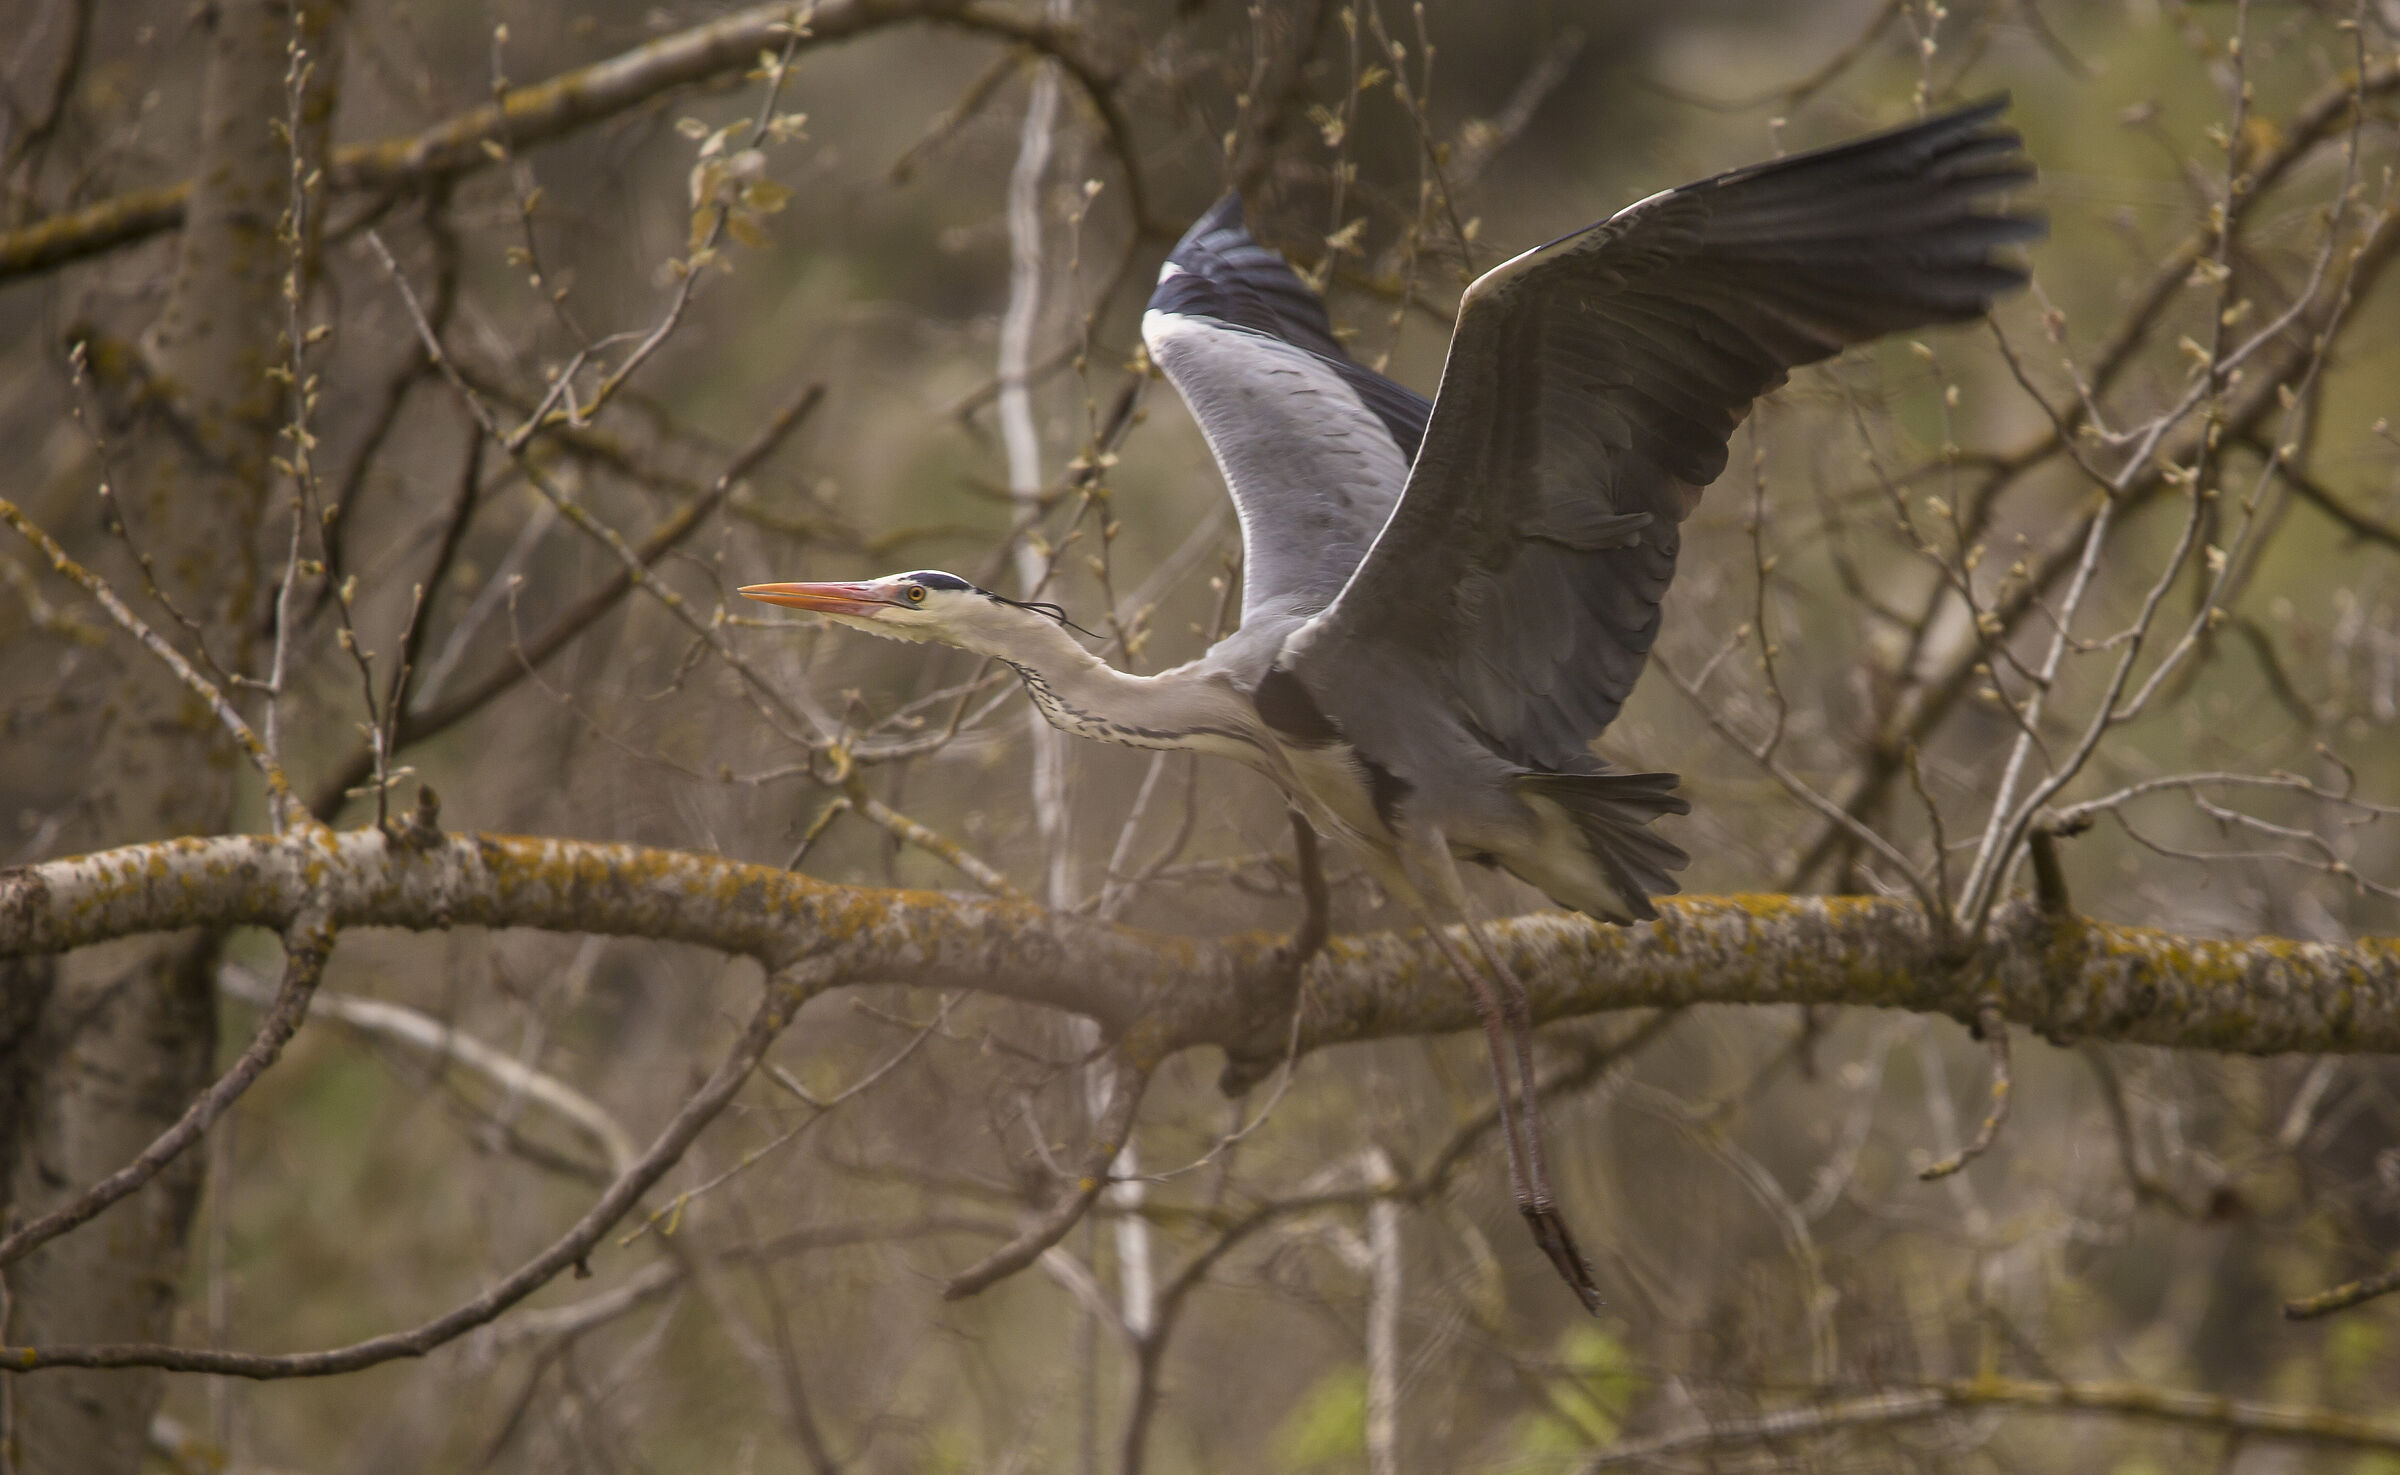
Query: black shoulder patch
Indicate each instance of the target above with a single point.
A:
(1285, 705)
(1387, 789)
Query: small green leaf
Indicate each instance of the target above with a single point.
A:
(1328, 1425)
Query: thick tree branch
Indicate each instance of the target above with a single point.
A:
(2065, 979)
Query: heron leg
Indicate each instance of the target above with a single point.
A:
(1392, 872)
(1541, 1212)
(1494, 1013)
(1510, 1036)
(1516, 1007)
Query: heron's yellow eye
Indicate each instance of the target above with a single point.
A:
(916, 594)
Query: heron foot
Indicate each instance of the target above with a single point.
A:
(1550, 1232)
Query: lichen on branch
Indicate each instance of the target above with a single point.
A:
(2064, 978)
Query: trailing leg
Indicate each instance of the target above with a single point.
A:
(1510, 1036)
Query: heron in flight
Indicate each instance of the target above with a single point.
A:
(1444, 602)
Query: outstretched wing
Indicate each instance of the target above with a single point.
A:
(1314, 447)
(1590, 391)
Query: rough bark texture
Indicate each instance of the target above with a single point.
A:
(2066, 978)
(118, 1048)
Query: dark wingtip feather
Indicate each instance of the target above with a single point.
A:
(1221, 226)
(1901, 223)
(1225, 215)
(1222, 273)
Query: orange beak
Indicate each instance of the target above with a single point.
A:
(822, 599)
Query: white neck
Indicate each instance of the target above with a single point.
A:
(1080, 693)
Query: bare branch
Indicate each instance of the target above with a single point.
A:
(784, 994)
(1791, 95)
(1914, 1405)
(158, 646)
(415, 725)
(306, 946)
(536, 114)
(2343, 1297)
(377, 1019)
(2316, 494)
(1995, 1038)
(1109, 1136)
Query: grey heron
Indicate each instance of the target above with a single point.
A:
(1444, 602)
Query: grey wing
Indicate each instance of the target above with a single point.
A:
(1591, 388)
(1313, 446)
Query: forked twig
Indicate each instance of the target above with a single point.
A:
(1109, 1136)
(305, 947)
(449, 1046)
(784, 994)
(159, 646)
(1994, 1031)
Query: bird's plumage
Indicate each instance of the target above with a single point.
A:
(1278, 416)
(1445, 602)
(1218, 273)
(1282, 406)
(1471, 646)
(1592, 386)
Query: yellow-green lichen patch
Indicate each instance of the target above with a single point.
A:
(2065, 975)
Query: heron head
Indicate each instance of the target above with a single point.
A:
(925, 605)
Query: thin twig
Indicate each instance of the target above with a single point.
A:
(277, 786)
(1960, 1395)
(783, 996)
(2343, 1297)
(1109, 1136)
(419, 723)
(1994, 1030)
(306, 946)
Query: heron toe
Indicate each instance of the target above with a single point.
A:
(1550, 1232)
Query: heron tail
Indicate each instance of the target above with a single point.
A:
(1614, 811)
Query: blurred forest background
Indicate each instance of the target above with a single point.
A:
(865, 298)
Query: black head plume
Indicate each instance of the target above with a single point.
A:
(1041, 607)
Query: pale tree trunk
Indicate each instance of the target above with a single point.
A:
(101, 1061)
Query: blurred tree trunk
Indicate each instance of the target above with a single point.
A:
(97, 1063)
